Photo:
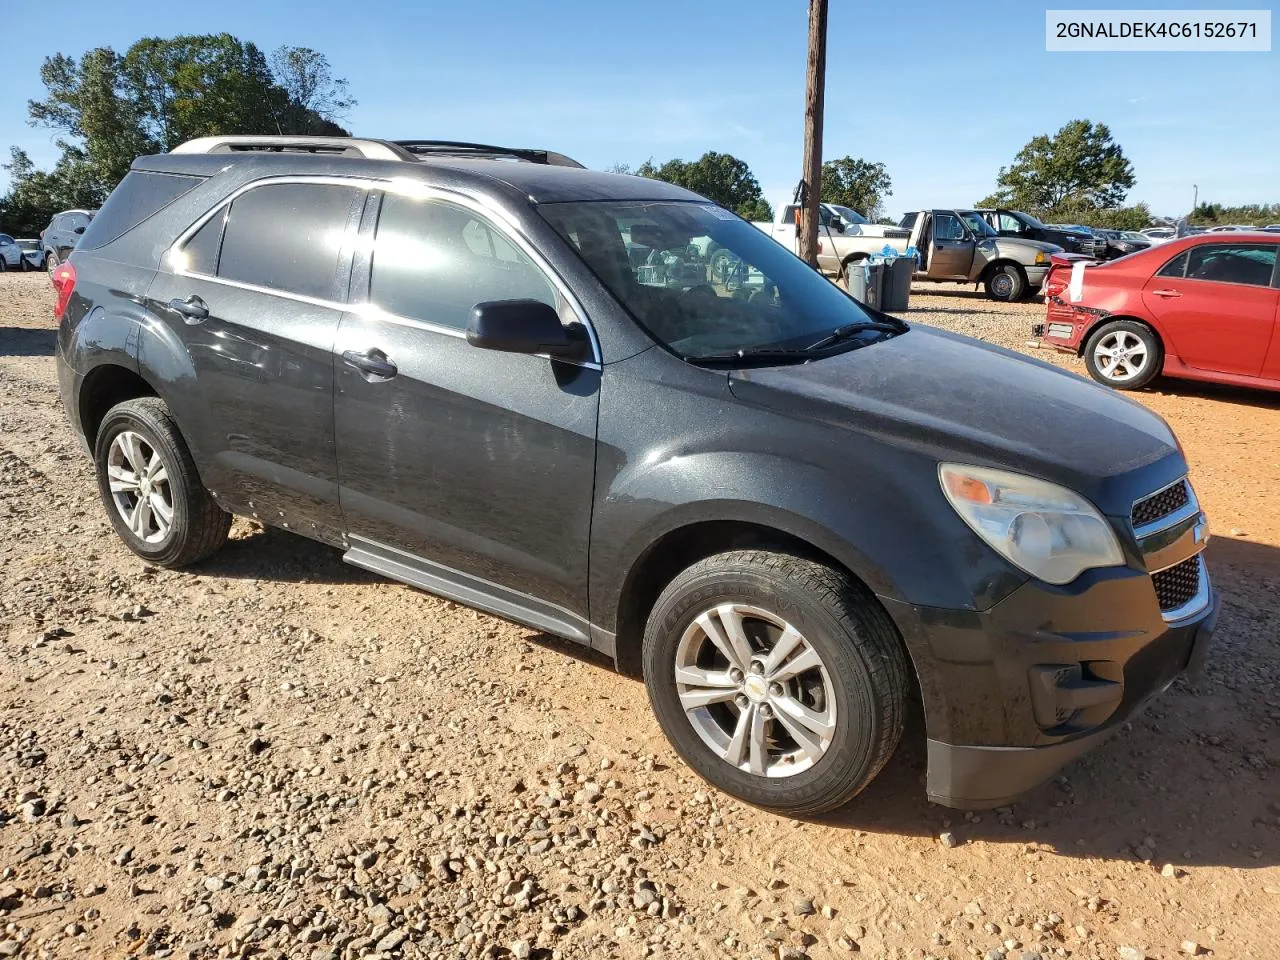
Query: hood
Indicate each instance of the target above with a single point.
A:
(951, 397)
(1011, 246)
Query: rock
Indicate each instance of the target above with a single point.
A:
(214, 884)
(520, 949)
(391, 941)
(948, 840)
(1169, 870)
(996, 953)
(33, 809)
(367, 859)
(1191, 947)
(803, 908)
(845, 943)
(1132, 953)
(9, 948)
(974, 909)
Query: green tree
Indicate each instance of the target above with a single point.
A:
(110, 108)
(1250, 214)
(721, 177)
(856, 183)
(1080, 167)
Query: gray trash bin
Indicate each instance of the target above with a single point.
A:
(895, 289)
(865, 282)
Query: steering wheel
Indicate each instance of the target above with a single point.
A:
(697, 293)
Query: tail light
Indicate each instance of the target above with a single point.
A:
(64, 282)
(1055, 283)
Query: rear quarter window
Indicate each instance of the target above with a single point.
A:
(139, 195)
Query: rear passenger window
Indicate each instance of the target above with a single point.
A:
(288, 237)
(1177, 267)
(139, 195)
(433, 261)
(1248, 263)
(202, 248)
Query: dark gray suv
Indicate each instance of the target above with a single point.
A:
(520, 384)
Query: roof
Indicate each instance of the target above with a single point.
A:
(536, 182)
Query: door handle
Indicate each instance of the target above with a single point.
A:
(193, 309)
(1165, 293)
(374, 365)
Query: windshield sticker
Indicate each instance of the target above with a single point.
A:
(720, 213)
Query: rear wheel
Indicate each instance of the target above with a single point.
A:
(1006, 283)
(149, 485)
(779, 680)
(1123, 354)
(51, 261)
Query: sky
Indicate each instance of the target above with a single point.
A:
(942, 93)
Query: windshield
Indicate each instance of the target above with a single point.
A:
(977, 224)
(703, 282)
(850, 215)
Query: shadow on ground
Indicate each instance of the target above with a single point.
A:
(27, 341)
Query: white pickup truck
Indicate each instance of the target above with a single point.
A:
(844, 235)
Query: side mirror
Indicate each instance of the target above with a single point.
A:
(524, 326)
(837, 225)
(78, 230)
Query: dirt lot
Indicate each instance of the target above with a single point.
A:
(278, 755)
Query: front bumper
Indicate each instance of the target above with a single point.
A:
(1036, 275)
(1013, 693)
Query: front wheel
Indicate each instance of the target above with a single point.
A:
(149, 485)
(1007, 283)
(51, 261)
(1123, 354)
(779, 680)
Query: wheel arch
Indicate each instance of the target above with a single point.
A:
(685, 544)
(102, 388)
(999, 264)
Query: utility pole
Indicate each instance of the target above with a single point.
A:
(812, 182)
(1195, 197)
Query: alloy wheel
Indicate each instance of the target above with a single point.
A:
(1121, 356)
(755, 690)
(140, 486)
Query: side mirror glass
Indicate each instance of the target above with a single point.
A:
(524, 326)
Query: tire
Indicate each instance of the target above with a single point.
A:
(196, 527)
(1139, 361)
(1006, 284)
(4, 265)
(855, 689)
(50, 261)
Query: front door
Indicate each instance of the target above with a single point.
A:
(950, 248)
(460, 464)
(255, 296)
(1216, 302)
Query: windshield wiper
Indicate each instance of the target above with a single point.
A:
(849, 329)
(765, 354)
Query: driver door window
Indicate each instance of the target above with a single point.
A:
(947, 226)
(1008, 224)
(433, 261)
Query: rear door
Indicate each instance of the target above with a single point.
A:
(1217, 302)
(951, 247)
(255, 293)
(467, 465)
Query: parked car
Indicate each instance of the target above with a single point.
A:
(1121, 243)
(62, 234)
(844, 235)
(32, 250)
(959, 246)
(1202, 307)
(1159, 235)
(779, 507)
(1023, 226)
(12, 256)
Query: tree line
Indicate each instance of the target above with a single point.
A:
(109, 108)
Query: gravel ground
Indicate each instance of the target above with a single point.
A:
(277, 755)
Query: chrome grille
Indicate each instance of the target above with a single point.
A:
(1178, 585)
(1160, 504)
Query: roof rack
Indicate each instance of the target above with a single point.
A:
(325, 146)
(459, 148)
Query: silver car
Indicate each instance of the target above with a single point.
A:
(15, 256)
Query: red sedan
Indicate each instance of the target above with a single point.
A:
(1203, 307)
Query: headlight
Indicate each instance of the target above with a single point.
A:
(1044, 529)
(1042, 257)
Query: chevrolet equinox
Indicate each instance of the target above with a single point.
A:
(611, 410)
